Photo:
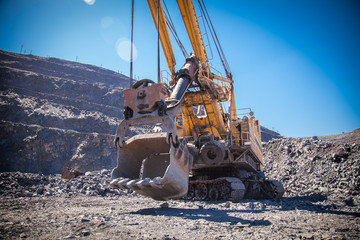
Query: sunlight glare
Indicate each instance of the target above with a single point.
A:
(90, 2)
(123, 49)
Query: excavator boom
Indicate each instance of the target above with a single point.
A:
(188, 14)
(163, 32)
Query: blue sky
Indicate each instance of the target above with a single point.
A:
(295, 63)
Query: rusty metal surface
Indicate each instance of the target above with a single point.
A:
(144, 99)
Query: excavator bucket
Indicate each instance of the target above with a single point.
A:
(152, 167)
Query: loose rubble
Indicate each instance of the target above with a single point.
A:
(17, 184)
(310, 167)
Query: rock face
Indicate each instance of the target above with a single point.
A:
(55, 112)
(313, 167)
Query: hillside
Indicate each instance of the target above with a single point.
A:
(56, 112)
(344, 138)
(267, 134)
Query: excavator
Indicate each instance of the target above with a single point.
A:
(200, 148)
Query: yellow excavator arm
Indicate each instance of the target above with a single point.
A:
(163, 33)
(191, 23)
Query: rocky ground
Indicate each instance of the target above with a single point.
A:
(321, 202)
(36, 206)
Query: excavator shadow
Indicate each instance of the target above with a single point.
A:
(316, 203)
(313, 203)
(213, 215)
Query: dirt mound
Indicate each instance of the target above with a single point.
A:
(312, 167)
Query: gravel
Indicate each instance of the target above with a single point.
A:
(17, 184)
(310, 167)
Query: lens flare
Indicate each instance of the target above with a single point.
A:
(90, 2)
(123, 49)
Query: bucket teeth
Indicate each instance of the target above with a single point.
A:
(156, 183)
(133, 184)
(136, 184)
(143, 184)
(114, 182)
(120, 183)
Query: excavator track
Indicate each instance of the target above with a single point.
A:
(231, 189)
(226, 188)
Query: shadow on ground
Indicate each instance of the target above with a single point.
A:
(313, 203)
(213, 215)
(309, 203)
